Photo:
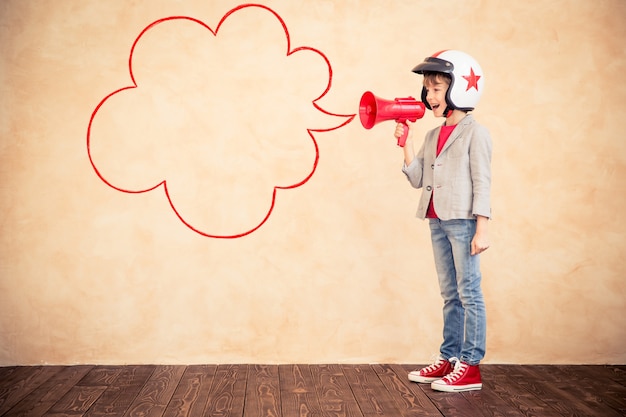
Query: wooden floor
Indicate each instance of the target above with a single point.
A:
(305, 390)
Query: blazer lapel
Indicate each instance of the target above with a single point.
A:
(456, 132)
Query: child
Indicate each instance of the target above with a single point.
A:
(453, 167)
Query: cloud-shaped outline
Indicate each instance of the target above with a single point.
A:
(348, 117)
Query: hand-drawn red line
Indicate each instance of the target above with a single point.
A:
(348, 117)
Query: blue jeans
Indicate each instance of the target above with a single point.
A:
(464, 317)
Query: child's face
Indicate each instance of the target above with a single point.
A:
(436, 88)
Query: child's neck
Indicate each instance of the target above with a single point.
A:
(455, 117)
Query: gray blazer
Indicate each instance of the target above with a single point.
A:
(460, 176)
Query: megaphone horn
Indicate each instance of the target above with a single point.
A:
(373, 110)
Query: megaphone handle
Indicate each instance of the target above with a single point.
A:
(402, 139)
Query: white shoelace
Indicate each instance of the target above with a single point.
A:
(459, 369)
(435, 365)
(438, 362)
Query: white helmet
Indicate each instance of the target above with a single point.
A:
(467, 82)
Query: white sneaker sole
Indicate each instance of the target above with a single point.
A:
(415, 377)
(455, 388)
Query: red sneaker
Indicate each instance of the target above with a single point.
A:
(464, 378)
(431, 373)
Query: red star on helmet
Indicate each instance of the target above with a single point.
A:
(472, 80)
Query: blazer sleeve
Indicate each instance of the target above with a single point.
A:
(415, 170)
(480, 167)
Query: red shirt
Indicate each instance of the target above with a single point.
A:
(444, 134)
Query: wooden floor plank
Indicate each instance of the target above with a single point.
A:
(157, 392)
(17, 382)
(77, 401)
(407, 395)
(122, 392)
(227, 396)
(86, 392)
(263, 392)
(454, 404)
(618, 373)
(333, 391)
(501, 382)
(8, 378)
(575, 399)
(101, 375)
(539, 385)
(6, 372)
(369, 391)
(492, 404)
(298, 393)
(190, 398)
(597, 384)
(39, 401)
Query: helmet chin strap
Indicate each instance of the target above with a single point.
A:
(449, 108)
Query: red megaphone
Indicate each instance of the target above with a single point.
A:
(373, 110)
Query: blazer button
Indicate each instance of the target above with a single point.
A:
(429, 188)
(432, 166)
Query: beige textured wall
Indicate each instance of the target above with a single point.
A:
(341, 271)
